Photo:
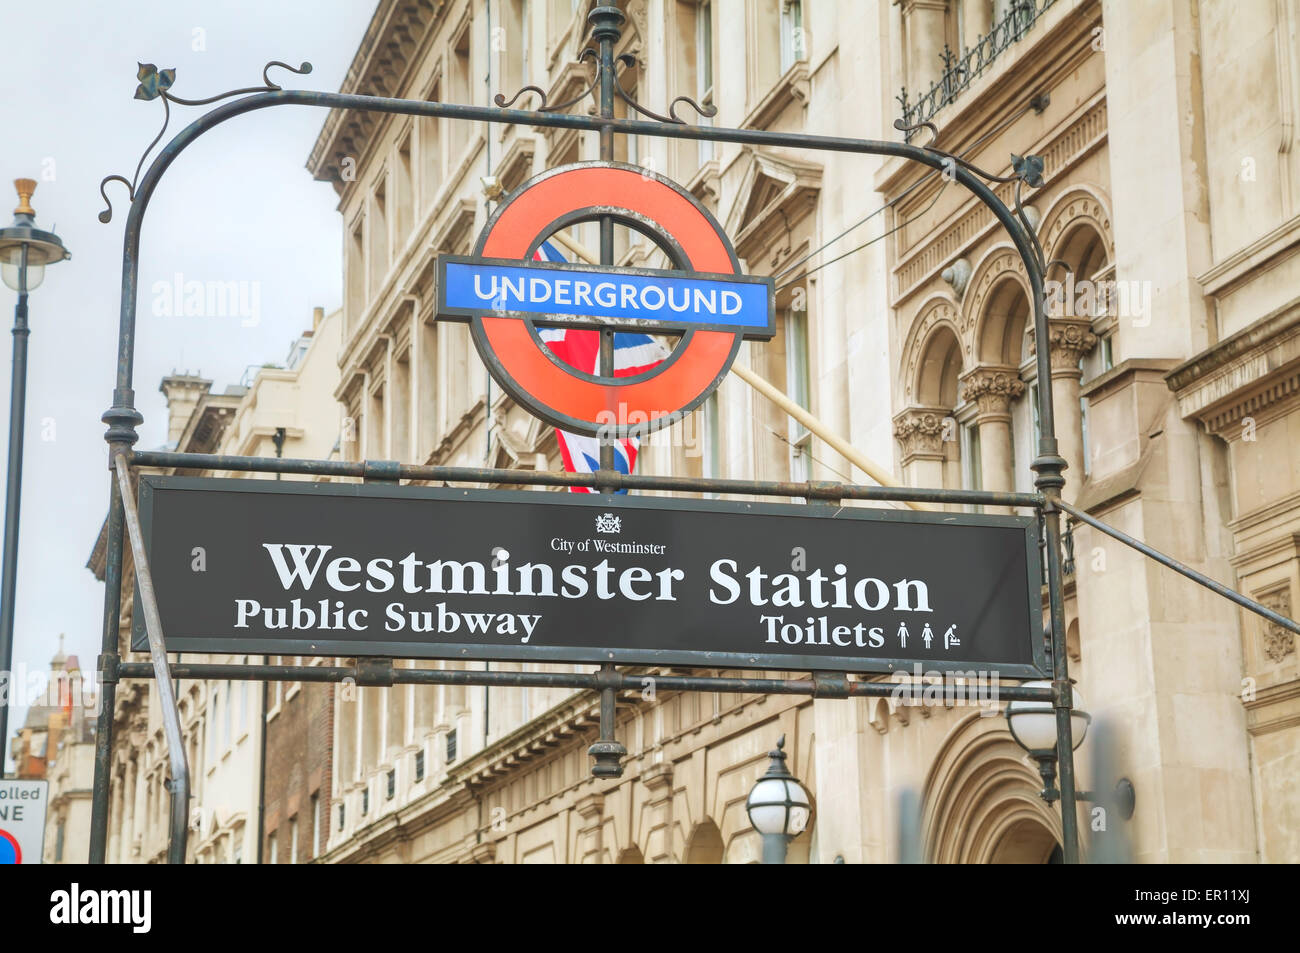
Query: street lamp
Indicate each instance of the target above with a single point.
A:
(25, 250)
(1033, 726)
(778, 806)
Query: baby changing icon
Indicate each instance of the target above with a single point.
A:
(950, 638)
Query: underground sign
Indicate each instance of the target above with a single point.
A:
(506, 297)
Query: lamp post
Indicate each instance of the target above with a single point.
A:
(1033, 726)
(25, 250)
(778, 806)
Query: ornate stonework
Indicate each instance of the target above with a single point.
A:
(920, 432)
(1278, 642)
(1068, 340)
(992, 389)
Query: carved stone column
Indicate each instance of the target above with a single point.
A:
(1069, 339)
(991, 389)
(921, 432)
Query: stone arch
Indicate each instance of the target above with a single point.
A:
(937, 312)
(1079, 205)
(1081, 251)
(980, 802)
(631, 855)
(939, 368)
(997, 300)
(705, 844)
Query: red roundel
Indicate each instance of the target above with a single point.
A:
(563, 395)
(10, 850)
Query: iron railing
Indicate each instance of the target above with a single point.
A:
(959, 72)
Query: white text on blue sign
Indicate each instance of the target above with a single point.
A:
(606, 296)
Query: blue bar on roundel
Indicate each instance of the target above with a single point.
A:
(606, 296)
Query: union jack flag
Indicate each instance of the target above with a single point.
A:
(633, 354)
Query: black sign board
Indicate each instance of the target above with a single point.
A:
(305, 568)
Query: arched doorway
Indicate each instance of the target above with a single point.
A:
(980, 803)
(705, 845)
(1027, 841)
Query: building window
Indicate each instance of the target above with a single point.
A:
(460, 92)
(513, 43)
(237, 857)
(342, 817)
(402, 206)
(792, 35)
(711, 438)
(419, 766)
(451, 746)
(211, 726)
(430, 153)
(272, 850)
(225, 720)
(315, 825)
(971, 474)
(293, 839)
(356, 271)
(365, 801)
(392, 784)
(704, 72)
(58, 844)
(378, 252)
(797, 386)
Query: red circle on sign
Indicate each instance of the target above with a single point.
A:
(12, 843)
(528, 370)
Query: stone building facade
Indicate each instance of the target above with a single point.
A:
(1168, 215)
(222, 720)
(1169, 322)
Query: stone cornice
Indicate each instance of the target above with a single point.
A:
(757, 228)
(1261, 254)
(1270, 513)
(381, 66)
(792, 89)
(1250, 371)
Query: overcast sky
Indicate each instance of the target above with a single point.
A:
(238, 206)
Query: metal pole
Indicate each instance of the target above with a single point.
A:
(13, 498)
(1214, 586)
(606, 23)
(148, 603)
(1049, 480)
(109, 660)
(774, 848)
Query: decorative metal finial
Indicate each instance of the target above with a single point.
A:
(25, 188)
(155, 83)
(776, 767)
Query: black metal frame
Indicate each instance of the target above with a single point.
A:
(877, 664)
(123, 419)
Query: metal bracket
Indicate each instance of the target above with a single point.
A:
(376, 672)
(108, 666)
(171, 719)
(830, 685)
(381, 471)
